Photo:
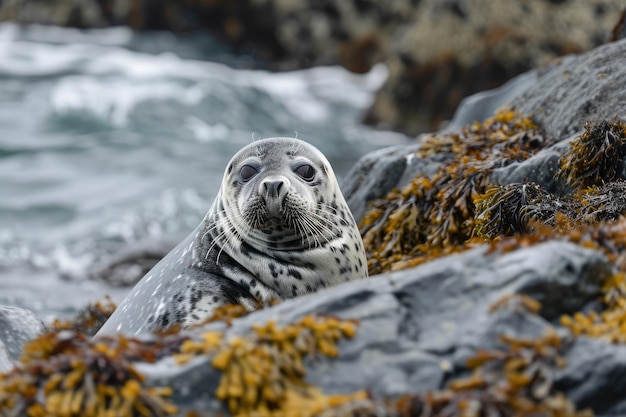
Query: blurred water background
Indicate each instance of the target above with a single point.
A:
(109, 138)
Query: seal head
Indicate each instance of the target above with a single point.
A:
(279, 227)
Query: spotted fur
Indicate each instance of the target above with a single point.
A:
(273, 232)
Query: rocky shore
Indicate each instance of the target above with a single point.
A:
(437, 51)
(498, 286)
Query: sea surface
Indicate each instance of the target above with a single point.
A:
(109, 139)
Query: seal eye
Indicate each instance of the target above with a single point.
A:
(306, 172)
(247, 172)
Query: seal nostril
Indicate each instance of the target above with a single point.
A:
(273, 188)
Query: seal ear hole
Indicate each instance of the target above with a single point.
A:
(247, 172)
(306, 172)
(230, 168)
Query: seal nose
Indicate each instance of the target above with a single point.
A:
(272, 189)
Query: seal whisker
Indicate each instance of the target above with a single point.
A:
(216, 240)
(308, 224)
(305, 232)
(322, 223)
(216, 225)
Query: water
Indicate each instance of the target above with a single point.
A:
(110, 138)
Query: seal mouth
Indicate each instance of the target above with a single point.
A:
(291, 225)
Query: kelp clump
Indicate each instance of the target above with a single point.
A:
(608, 324)
(88, 320)
(65, 375)
(602, 204)
(435, 215)
(458, 207)
(516, 381)
(597, 156)
(263, 373)
(514, 209)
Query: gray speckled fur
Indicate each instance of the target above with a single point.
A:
(233, 258)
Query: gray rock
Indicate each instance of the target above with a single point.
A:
(596, 376)
(561, 98)
(17, 326)
(480, 106)
(417, 327)
(583, 87)
(375, 175)
(6, 364)
(127, 266)
(539, 168)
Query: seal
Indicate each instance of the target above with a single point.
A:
(279, 227)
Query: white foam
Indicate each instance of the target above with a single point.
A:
(114, 100)
(108, 81)
(205, 132)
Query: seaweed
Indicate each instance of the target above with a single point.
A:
(88, 320)
(596, 157)
(263, 373)
(515, 381)
(604, 203)
(66, 374)
(607, 324)
(516, 208)
(432, 216)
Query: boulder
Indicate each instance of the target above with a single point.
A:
(17, 326)
(560, 99)
(417, 327)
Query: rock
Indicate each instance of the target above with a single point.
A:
(127, 266)
(582, 88)
(480, 106)
(121, 265)
(540, 169)
(594, 376)
(414, 322)
(561, 100)
(17, 326)
(376, 174)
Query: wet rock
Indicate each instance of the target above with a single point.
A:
(480, 106)
(120, 266)
(17, 326)
(376, 174)
(417, 327)
(127, 266)
(540, 169)
(595, 376)
(561, 99)
(581, 88)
